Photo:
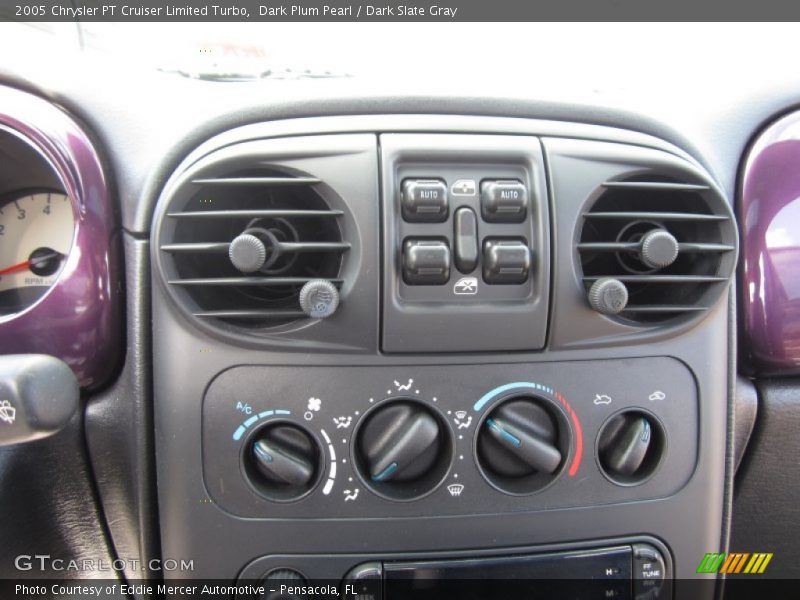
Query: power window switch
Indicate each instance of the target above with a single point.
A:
(465, 239)
(504, 201)
(424, 201)
(426, 262)
(506, 261)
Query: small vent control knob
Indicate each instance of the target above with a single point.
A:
(608, 296)
(247, 253)
(659, 249)
(319, 298)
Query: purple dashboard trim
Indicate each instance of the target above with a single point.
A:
(80, 319)
(770, 216)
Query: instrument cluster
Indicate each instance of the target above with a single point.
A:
(60, 288)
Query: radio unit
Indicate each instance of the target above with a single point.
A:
(632, 569)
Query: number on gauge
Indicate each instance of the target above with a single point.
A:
(36, 231)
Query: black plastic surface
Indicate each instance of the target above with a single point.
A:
(49, 507)
(766, 514)
(120, 431)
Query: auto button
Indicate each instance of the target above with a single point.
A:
(504, 201)
(424, 201)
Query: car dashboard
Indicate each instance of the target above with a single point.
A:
(336, 331)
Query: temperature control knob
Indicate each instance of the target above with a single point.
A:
(401, 449)
(283, 461)
(521, 445)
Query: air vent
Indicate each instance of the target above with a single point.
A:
(654, 249)
(238, 248)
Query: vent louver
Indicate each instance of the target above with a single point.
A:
(672, 244)
(298, 234)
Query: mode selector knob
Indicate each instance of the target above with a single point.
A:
(522, 444)
(402, 450)
(283, 461)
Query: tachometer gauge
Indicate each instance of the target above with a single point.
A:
(36, 232)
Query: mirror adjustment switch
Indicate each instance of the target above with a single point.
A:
(506, 261)
(426, 262)
(466, 240)
(504, 201)
(424, 201)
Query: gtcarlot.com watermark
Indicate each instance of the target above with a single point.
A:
(46, 563)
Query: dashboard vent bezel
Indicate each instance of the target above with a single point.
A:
(313, 168)
(693, 211)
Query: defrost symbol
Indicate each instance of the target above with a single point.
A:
(455, 489)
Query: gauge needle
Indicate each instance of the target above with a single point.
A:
(27, 264)
(16, 268)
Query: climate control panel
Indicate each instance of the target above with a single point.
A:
(370, 442)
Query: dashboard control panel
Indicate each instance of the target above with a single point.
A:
(512, 359)
(355, 442)
(466, 242)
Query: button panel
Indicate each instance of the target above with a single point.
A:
(502, 206)
(465, 191)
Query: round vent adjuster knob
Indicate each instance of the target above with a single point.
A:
(659, 249)
(608, 296)
(319, 298)
(247, 253)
